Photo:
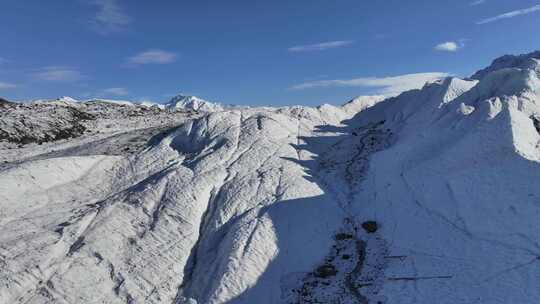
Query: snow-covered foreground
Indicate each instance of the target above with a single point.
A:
(429, 197)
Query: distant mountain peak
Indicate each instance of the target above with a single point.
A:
(66, 99)
(194, 103)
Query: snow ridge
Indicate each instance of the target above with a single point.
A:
(524, 61)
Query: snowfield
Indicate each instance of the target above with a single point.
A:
(428, 197)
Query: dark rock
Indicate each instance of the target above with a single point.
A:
(325, 271)
(370, 226)
(343, 236)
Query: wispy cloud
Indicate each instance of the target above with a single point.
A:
(7, 86)
(388, 86)
(116, 91)
(58, 74)
(110, 17)
(477, 2)
(511, 14)
(152, 57)
(321, 46)
(450, 46)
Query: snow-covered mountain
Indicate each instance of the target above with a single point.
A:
(70, 101)
(111, 101)
(428, 197)
(192, 103)
(4, 102)
(525, 61)
(61, 101)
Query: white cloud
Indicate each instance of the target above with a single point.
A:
(110, 17)
(58, 73)
(153, 57)
(321, 46)
(6, 86)
(477, 2)
(116, 91)
(388, 86)
(511, 14)
(449, 46)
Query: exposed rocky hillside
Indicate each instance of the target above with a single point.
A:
(47, 127)
(24, 123)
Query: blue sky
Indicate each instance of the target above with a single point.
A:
(251, 51)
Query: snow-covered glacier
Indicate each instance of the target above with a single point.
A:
(428, 197)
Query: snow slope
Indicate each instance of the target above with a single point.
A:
(427, 197)
(361, 103)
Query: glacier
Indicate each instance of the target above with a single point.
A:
(428, 197)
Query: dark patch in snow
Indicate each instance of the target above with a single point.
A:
(343, 236)
(76, 246)
(259, 123)
(536, 123)
(99, 257)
